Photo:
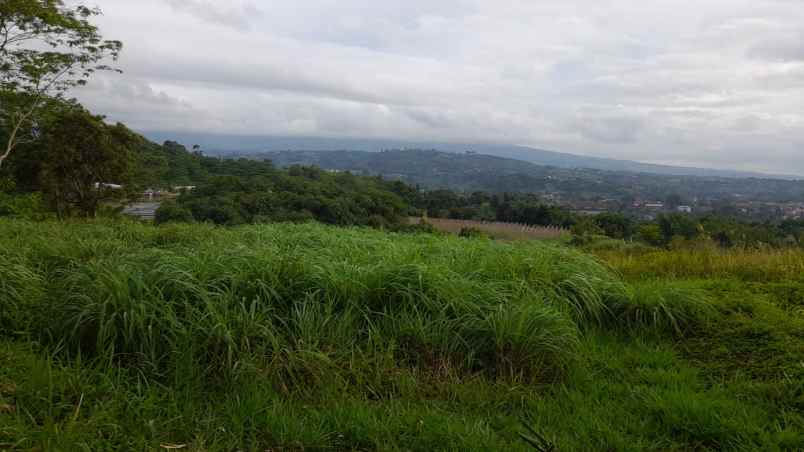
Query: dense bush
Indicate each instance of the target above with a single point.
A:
(28, 206)
(171, 212)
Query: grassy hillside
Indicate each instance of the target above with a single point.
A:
(118, 336)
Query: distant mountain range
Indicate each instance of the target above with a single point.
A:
(245, 144)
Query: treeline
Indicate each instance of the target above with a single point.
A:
(668, 230)
(230, 192)
(81, 166)
(680, 230)
(73, 165)
(235, 191)
(505, 207)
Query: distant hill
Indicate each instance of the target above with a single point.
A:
(470, 172)
(245, 144)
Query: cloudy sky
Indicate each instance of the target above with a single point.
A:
(711, 83)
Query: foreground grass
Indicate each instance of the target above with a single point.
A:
(127, 337)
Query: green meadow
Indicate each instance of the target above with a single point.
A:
(122, 336)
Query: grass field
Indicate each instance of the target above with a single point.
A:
(120, 336)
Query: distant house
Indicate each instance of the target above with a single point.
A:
(684, 209)
(107, 185)
(181, 188)
(654, 205)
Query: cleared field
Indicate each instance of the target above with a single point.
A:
(498, 230)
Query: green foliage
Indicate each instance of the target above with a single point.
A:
(122, 336)
(650, 234)
(615, 225)
(678, 225)
(576, 184)
(420, 227)
(121, 294)
(84, 157)
(471, 233)
(170, 212)
(27, 206)
(46, 48)
(585, 231)
(295, 195)
(664, 308)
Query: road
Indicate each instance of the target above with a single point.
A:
(142, 210)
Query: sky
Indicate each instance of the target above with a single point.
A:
(707, 83)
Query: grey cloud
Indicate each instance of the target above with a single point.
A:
(655, 81)
(608, 129)
(229, 13)
(779, 51)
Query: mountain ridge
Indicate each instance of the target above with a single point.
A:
(253, 144)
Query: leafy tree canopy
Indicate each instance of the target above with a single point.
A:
(86, 162)
(46, 48)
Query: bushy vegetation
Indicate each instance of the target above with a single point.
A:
(683, 231)
(125, 336)
(296, 195)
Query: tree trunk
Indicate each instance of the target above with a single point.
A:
(12, 139)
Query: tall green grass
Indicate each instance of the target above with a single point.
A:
(295, 337)
(277, 295)
(274, 295)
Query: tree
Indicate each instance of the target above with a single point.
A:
(170, 212)
(673, 225)
(651, 233)
(615, 225)
(46, 48)
(87, 162)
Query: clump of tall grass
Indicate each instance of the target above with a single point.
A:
(21, 287)
(662, 307)
(525, 336)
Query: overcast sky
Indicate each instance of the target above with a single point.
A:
(711, 83)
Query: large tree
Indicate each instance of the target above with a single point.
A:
(87, 162)
(46, 48)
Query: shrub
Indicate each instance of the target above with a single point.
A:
(24, 206)
(472, 233)
(650, 234)
(171, 212)
(421, 227)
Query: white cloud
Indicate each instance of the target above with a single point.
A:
(709, 82)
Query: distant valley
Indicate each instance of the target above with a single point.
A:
(583, 184)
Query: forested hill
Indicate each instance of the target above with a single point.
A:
(477, 172)
(227, 144)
